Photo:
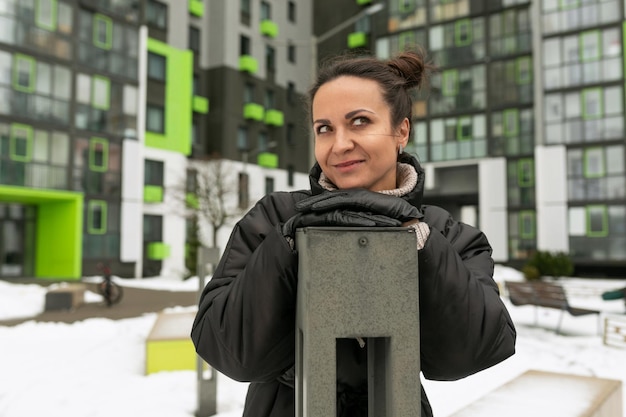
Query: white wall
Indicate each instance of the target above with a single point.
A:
(551, 192)
(492, 200)
(132, 202)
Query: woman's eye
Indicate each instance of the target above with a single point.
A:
(360, 121)
(322, 129)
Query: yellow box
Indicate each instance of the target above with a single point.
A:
(169, 346)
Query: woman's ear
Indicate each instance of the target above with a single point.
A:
(403, 132)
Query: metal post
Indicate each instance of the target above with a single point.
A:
(206, 375)
(358, 283)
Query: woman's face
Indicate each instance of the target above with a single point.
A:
(355, 144)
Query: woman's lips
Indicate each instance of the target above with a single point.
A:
(348, 165)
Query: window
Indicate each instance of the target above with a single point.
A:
(102, 31)
(248, 93)
(98, 154)
(291, 11)
(156, 66)
(290, 175)
(270, 59)
(244, 197)
(194, 39)
(24, 73)
(153, 174)
(242, 138)
(291, 134)
(244, 45)
(244, 6)
(291, 93)
(291, 53)
(152, 228)
(45, 14)
(266, 10)
(101, 92)
(270, 102)
(97, 217)
(156, 14)
(269, 185)
(155, 118)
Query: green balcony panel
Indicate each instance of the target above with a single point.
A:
(200, 104)
(192, 201)
(269, 28)
(253, 111)
(267, 160)
(196, 7)
(274, 117)
(248, 64)
(357, 39)
(152, 193)
(158, 251)
(363, 2)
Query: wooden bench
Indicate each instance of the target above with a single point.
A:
(545, 294)
(549, 394)
(65, 296)
(615, 331)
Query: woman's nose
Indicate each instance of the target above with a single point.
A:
(343, 140)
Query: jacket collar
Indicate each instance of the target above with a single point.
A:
(414, 196)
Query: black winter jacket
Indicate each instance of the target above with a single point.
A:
(245, 326)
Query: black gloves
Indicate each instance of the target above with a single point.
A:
(359, 199)
(353, 207)
(337, 217)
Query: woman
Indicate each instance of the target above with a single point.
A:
(361, 115)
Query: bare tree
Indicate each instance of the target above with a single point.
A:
(211, 195)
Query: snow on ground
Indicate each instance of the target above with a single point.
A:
(96, 367)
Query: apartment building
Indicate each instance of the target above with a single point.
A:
(522, 130)
(103, 103)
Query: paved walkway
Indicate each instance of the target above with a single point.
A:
(135, 302)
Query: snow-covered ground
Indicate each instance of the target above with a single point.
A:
(96, 368)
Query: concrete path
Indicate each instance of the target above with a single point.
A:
(135, 302)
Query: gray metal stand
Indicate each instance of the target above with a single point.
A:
(358, 282)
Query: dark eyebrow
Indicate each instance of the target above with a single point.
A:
(349, 115)
(323, 121)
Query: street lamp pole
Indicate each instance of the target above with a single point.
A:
(317, 40)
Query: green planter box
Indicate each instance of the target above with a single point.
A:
(274, 117)
(267, 160)
(253, 111)
(152, 193)
(158, 251)
(248, 64)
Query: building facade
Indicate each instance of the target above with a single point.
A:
(103, 104)
(522, 130)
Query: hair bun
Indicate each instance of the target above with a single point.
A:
(410, 66)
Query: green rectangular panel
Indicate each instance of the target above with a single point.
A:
(248, 64)
(152, 193)
(178, 106)
(269, 28)
(59, 227)
(46, 19)
(267, 160)
(357, 39)
(200, 104)
(274, 117)
(253, 111)
(158, 251)
(196, 8)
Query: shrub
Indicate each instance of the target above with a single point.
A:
(555, 264)
(531, 273)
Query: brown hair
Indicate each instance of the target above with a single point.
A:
(396, 77)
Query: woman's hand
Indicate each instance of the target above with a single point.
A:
(360, 200)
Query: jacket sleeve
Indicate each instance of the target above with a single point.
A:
(246, 317)
(464, 325)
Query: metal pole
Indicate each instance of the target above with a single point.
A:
(206, 375)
